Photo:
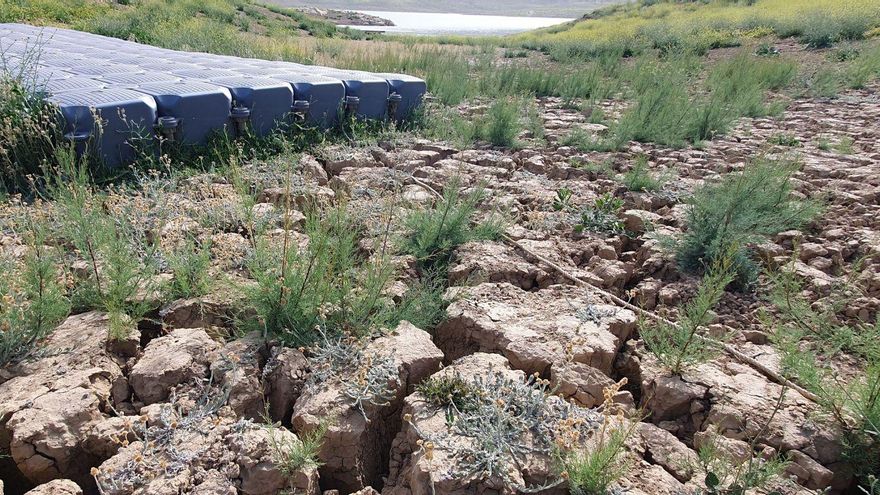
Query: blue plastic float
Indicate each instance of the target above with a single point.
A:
(141, 92)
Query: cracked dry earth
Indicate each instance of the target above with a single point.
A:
(140, 416)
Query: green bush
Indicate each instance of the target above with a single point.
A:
(639, 178)
(808, 335)
(437, 231)
(122, 262)
(583, 141)
(820, 30)
(501, 124)
(189, 266)
(326, 287)
(740, 209)
(594, 471)
(32, 297)
(681, 345)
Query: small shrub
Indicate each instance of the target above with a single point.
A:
(820, 30)
(678, 346)
(740, 209)
(501, 124)
(32, 297)
(807, 332)
(603, 217)
(325, 286)
(639, 178)
(366, 379)
(423, 304)
(122, 262)
(515, 53)
(189, 266)
(583, 141)
(435, 232)
(825, 83)
(498, 415)
(784, 139)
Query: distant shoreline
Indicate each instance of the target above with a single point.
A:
(513, 8)
(345, 17)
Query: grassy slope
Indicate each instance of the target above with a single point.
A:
(234, 27)
(715, 23)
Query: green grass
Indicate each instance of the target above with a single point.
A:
(435, 232)
(32, 297)
(327, 287)
(639, 178)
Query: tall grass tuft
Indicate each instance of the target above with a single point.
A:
(435, 232)
(29, 130)
(32, 294)
(323, 287)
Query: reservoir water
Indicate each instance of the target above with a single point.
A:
(460, 24)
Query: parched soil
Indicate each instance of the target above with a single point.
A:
(142, 415)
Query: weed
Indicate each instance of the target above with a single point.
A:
(844, 145)
(784, 139)
(505, 421)
(602, 216)
(32, 296)
(435, 232)
(680, 345)
(583, 141)
(448, 391)
(805, 332)
(501, 124)
(766, 50)
(164, 445)
(325, 284)
(740, 209)
(515, 53)
(29, 130)
(593, 469)
(367, 379)
(293, 453)
(862, 69)
(639, 178)
(563, 198)
(122, 263)
(535, 122)
(727, 475)
(825, 83)
(189, 265)
(423, 304)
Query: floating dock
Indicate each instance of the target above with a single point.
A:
(140, 92)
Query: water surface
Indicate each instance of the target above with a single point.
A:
(460, 24)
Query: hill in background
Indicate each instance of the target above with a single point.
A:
(548, 8)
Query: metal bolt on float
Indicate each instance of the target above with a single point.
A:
(167, 127)
(351, 105)
(300, 110)
(240, 115)
(393, 104)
